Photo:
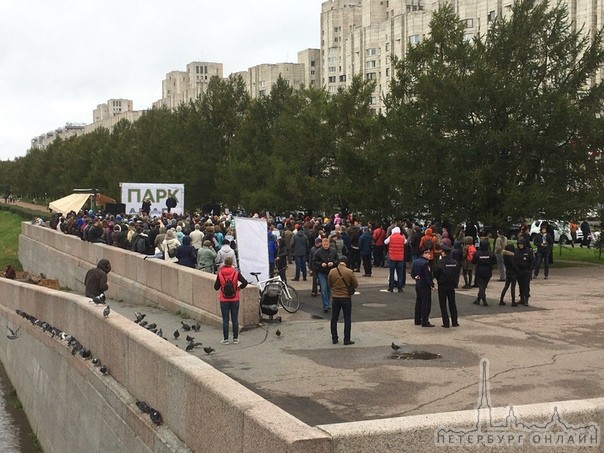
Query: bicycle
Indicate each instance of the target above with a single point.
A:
(288, 297)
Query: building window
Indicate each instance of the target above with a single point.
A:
(414, 39)
(387, 72)
(468, 23)
(387, 47)
(332, 69)
(332, 79)
(371, 64)
(370, 76)
(261, 93)
(312, 63)
(337, 29)
(343, 78)
(312, 72)
(372, 52)
(373, 100)
(331, 60)
(491, 17)
(467, 37)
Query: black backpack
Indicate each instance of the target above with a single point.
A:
(228, 289)
(140, 245)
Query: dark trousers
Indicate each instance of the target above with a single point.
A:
(345, 304)
(355, 259)
(232, 309)
(482, 282)
(510, 282)
(378, 255)
(367, 264)
(423, 303)
(271, 269)
(524, 285)
(300, 266)
(281, 268)
(315, 281)
(399, 268)
(542, 257)
(444, 295)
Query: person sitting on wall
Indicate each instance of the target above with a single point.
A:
(96, 280)
(10, 272)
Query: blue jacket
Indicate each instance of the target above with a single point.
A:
(422, 273)
(365, 242)
(273, 247)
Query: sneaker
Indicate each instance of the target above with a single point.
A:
(224, 341)
(334, 340)
(390, 290)
(347, 342)
(235, 340)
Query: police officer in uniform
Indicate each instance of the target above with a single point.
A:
(447, 275)
(424, 284)
(524, 260)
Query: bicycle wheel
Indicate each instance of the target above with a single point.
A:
(290, 304)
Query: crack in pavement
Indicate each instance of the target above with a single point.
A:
(444, 397)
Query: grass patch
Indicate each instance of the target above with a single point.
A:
(9, 240)
(577, 254)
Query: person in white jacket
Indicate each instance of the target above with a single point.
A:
(225, 251)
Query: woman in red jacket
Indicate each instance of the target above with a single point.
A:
(227, 281)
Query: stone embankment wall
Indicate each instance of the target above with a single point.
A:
(132, 279)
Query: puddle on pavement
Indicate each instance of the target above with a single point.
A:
(415, 355)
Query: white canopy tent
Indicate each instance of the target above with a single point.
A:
(73, 202)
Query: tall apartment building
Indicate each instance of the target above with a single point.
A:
(361, 36)
(105, 115)
(184, 86)
(306, 72)
(111, 108)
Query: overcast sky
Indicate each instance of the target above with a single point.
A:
(59, 59)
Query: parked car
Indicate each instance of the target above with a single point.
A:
(561, 231)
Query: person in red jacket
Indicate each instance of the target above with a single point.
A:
(428, 241)
(396, 258)
(379, 235)
(227, 281)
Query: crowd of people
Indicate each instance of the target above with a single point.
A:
(326, 248)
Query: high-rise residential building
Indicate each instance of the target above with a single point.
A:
(111, 108)
(311, 59)
(306, 72)
(359, 37)
(184, 86)
(105, 115)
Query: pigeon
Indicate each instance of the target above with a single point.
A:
(151, 326)
(106, 311)
(176, 334)
(208, 349)
(155, 417)
(98, 300)
(139, 316)
(13, 333)
(96, 361)
(196, 327)
(190, 346)
(278, 333)
(185, 326)
(396, 347)
(103, 369)
(144, 407)
(142, 323)
(153, 330)
(189, 338)
(85, 353)
(160, 333)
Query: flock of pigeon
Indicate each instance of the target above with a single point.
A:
(71, 341)
(191, 343)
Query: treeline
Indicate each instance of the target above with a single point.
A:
(505, 126)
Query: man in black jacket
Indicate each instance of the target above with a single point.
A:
(447, 275)
(424, 284)
(524, 260)
(544, 243)
(326, 258)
